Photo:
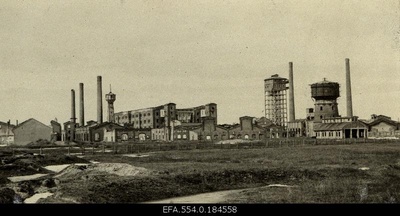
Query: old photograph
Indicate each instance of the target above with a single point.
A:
(214, 104)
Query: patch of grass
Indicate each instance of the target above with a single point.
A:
(321, 174)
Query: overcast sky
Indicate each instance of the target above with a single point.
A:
(193, 52)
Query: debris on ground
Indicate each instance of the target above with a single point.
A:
(35, 198)
(136, 155)
(57, 168)
(121, 169)
(280, 185)
(27, 177)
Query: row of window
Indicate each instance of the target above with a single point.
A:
(232, 136)
(158, 137)
(329, 134)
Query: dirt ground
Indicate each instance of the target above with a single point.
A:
(317, 174)
(23, 175)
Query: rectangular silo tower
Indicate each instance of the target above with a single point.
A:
(276, 99)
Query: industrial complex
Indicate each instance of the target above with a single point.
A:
(167, 122)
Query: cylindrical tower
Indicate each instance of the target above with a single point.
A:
(276, 99)
(325, 94)
(81, 106)
(73, 116)
(99, 101)
(349, 101)
(291, 94)
(110, 98)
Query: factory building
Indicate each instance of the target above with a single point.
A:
(83, 133)
(209, 130)
(297, 128)
(323, 121)
(341, 128)
(56, 133)
(6, 133)
(159, 134)
(111, 132)
(161, 116)
(383, 127)
(247, 129)
(31, 130)
(185, 131)
(196, 114)
(152, 117)
(142, 134)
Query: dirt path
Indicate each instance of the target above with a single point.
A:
(213, 197)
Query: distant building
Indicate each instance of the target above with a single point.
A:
(209, 130)
(67, 132)
(142, 135)
(381, 126)
(247, 130)
(56, 131)
(111, 132)
(82, 133)
(161, 117)
(297, 128)
(341, 128)
(6, 133)
(31, 130)
(153, 117)
(196, 114)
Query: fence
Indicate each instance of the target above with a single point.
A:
(145, 147)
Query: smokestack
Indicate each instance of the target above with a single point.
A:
(16, 122)
(348, 90)
(99, 101)
(291, 94)
(81, 106)
(73, 117)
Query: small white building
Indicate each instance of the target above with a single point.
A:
(341, 128)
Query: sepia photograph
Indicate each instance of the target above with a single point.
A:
(199, 106)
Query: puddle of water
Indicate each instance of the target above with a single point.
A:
(26, 178)
(364, 168)
(36, 197)
(135, 155)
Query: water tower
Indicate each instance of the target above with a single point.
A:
(276, 99)
(325, 94)
(110, 98)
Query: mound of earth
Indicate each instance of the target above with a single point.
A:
(84, 171)
(6, 195)
(44, 160)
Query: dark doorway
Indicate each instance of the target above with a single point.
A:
(347, 133)
(354, 133)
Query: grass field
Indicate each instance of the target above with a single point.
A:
(358, 173)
